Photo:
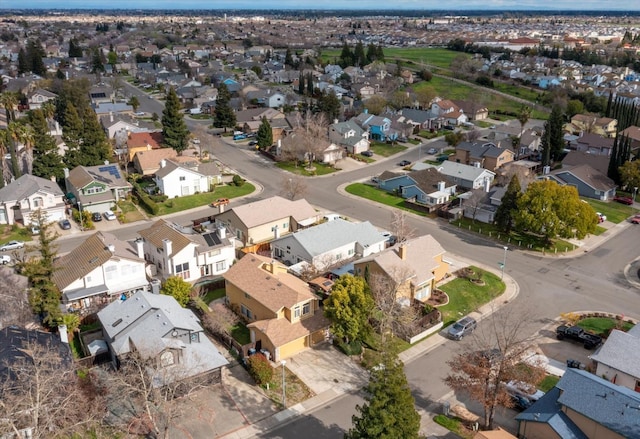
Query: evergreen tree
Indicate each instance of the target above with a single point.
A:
(380, 53)
(46, 160)
(97, 64)
(372, 53)
(508, 205)
(35, 53)
(359, 57)
(301, 86)
(309, 82)
(23, 62)
(609, 105)
(288, 59)
(329, 104)
(75, 51)
(346, 56)
(264, 137)
(174, 129)
(553, 135)
(72, 131)
(94, 148)
(224, 116)
(389, 411)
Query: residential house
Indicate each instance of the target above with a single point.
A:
(175, 180)
(265, 220)
(39, 96)
(105, 108)
(251, 119)
(633, 133)
(101, 269)
(331, 154)
(328, 244)
(364, 90)
(452, 114)
(484, 155)
(189, 253)
(594, 144)
(426, 186)
(143, 141)
(284, 315)
(266, 98)
(463, 176)
(589, 123)
(379, 128)
(157, 328)
(114, 124)
(23, 196)
(618, 360)
(350, 136)
(148, 162)
(589, 182)
(414, 267)
(582, 405)
(575, 158)
(101, 94)
(473, 109)
(97, 188)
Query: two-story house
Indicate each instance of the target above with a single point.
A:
(265, 220)
(143, 141)
(414, 267)
(157, 328)
(23, 196)
(328, 244)
(350, 136)
(379, 128)
(463, 176)
(285, 316)
(38, 97)
(97, 188)
(589, 123)
(175, 180)
(446, 109)
(484, 155)
(148, 162)
(427, 186)
(188, 253)
(101, 269)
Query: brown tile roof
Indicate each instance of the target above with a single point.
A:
(281, 331)
(89, 255)
(151, 159)
(274, 291)
(136, 140)
(161, 230)
(633, 132)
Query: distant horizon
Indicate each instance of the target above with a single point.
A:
(571, 6)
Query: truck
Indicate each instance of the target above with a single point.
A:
(576, 333)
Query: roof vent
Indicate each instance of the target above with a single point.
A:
(116, 323)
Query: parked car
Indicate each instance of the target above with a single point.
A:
(64, 224)
(195, 141)
(404, 163)
(96, 217)
(448, 128)
(636, 219)
(432, 151)
(109, 216)
(588, 340)
(5, 259)
(139, 113)
(525, 390)
(35, 229)
(367, 153)
(253, 143)
(220, 202)
(11, 245)
(239, 136)
(462, 327)
(403, 139)
(623, 200)
(601, 218)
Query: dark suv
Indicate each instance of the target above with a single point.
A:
(96, 217)
(462, 327)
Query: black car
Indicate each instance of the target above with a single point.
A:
(367, 153)
(96, 217)
(65, 224)
(404, 163)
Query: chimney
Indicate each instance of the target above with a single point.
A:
(167, 245)
(335, 120)
(402, 251)
(163, 163)
(112, 248)
(66, 172)
(221, 208)
(487, 185)
(53, 178)
(140, 248)
(441, 185)
(110, 116)
(222, 232)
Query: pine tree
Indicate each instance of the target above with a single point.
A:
(389, 411)
(94, 148)
(508, 205)
(47, 162)
(609, 105)
(301, 87)
(359, 58)
(264, 137)
(329, 104)
(35, 53)
(288, 59)
(309, 82)
(174, 128)
(72, 131)
(346, 56)
(372, 53)
(224, 116)
(553, 133)
(23, 62)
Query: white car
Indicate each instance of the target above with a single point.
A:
(109, 216)
(5, 259)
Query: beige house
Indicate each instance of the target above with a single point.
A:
(588, 123)
(415, 266)
(487, 155)
(264, 220)
(147, 162)
(284, 315)
(618, 360)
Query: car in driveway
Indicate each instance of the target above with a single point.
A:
(462, 327)
(109, 216)
(96, 217)
(12, 245)
(64, 224)
(367, 153)
(404, 163)
(624, 200)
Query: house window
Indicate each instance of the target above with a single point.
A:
(221, 265)
(37, 202)
(350, 252)
(182, 270)
(166, 359)
(296, 312)
(306, 309)
(213, 253)
(246, 312)
(110, 272)
(285, 226)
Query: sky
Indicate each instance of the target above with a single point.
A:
(569, 5)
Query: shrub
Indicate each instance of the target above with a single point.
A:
(260, 369)
(351, 348)
(237, 180)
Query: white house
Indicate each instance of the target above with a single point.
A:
(349, 135)
(464, 176)
(175, 180)
(20, 198)
(618, 360)
(329, 243)
(186, 252)
(98, 271)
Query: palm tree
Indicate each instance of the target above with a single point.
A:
(49, 110)
(523, 118)
(15, 135)
(9, 101)
(26, 157)
(4, 147)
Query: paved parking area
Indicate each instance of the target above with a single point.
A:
(561, 350)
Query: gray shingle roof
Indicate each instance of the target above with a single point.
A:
(456, 170)
(27, 185)
(621, 351)
(547, 410)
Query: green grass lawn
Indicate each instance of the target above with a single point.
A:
(188, 202)
(424, 55)
(14, 233)
(379, 196)
(301, 169)
(213, 295)
(602, 325)
(466, 296)
(454, 425)
(240, 333)
(386, 150)
(548, 383)
(615, 212)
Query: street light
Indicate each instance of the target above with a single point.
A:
(284, 392)
(504, 261)
(635, 191)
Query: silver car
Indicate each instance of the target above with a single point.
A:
(462, 327)
(11, 245)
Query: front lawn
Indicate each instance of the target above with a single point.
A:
(603, 325)
(615, 212)
(386, 150)
(240, 333)
(13, 233)
(301, 169)
(379, 196)
(466, 296)
(129, 212)
(180, 204)
(295, 390)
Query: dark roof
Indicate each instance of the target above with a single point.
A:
(596, 161)
(427, 179)
(481, 149)
(589, 176)
(547, 410)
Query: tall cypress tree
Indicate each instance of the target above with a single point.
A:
(301, 87)
(174, 128)
(72, 132)
(310, 84)
(264, 137)
(47, 162)
(94, 148)
(224, 116)
(508, 205)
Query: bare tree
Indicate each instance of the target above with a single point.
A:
(308, 139)
(474, 202)
(506, 173)
(293, 187)
(15, 309)
(400, 227)
(495, 357)
(473, 135)
(220, 320)
(43, 393)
